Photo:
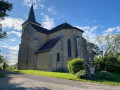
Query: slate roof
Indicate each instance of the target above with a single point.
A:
(40, 29)
(49, 44)
(64, 26)
(31, 16)
(59, 27)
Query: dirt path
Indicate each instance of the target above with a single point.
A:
(17, 81)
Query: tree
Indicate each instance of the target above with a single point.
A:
(110, 44)
(15, 66)
(93, 49)
(2, 59)
(4, 7)
(2, 34)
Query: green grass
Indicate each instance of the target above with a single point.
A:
(2, 75)
(69, 76)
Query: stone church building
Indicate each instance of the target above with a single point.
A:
(50, 50)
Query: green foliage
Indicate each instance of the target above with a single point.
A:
(2, 59)
(83, 74)
(75, 65)
(110, 44)
(110, 64)
(93, 49)
(4, 7)
(5, 66)
(99, 63)
(118, 58)
(3, 34)
(13, 67)
(2, 75)
(107, 76)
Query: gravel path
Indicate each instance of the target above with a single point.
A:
(17, 81)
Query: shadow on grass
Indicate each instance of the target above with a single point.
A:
(5, 83)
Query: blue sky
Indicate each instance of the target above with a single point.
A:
(94, 17)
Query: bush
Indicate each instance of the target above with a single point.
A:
(111, 64)
(82, 74)
(118, 58)
(75, 65)
(107, 63)
(107, 76)
(99, 63)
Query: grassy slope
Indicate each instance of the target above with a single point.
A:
(68, 76)
(1, 75)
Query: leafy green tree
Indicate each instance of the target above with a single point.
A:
(5, 6)
(93, 49)
(15, 66)
(2, 34)
(110, 44)
(2, 59)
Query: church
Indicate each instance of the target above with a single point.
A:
(50, 50)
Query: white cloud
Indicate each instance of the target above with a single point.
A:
(83, 28)
(12, 59)
(93, 28)
(48, 22)
(51, 10)
(14, 23)
(113, 29)
(13, 48)
(37, 3)
(16, 48)
(13, 39)
(89, 33)
(16, 33)
(5, 46)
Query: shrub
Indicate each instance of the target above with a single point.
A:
(118, 58)
(111, 64)
(82, 74)
(107, 63)
(99, 63)
(107, 76)
(75, 65)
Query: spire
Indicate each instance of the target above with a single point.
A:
(31, 16)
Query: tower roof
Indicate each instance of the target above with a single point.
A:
(64, 26)
(31, 16)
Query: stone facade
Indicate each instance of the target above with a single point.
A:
(50, 50)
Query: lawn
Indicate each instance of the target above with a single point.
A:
(2, 75)
(69, 76)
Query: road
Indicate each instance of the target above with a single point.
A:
(17, 81)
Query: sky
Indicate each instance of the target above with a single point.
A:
(94, 17)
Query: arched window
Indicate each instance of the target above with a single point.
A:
(69, 48)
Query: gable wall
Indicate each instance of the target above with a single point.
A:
(56, 34)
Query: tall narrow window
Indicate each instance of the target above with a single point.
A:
(58, 57)
(69, 48)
